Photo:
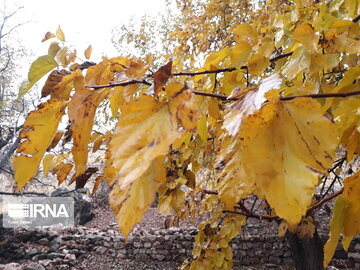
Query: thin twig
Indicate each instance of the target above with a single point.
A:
(22, 193)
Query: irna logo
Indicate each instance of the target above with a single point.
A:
(34, 212)
(22, 210)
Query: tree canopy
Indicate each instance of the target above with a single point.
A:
(257, 100)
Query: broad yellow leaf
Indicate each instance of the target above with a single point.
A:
(37, 134)
(298, 61)
(130, 201)
(252, 101)
(60, 34)
(87, 52)
(82, 109)
(257, 64)
(243, 32)
(240, 53)
(215, 58)
(286, 146)
(306, 35)
(38, 69)
(144, 132)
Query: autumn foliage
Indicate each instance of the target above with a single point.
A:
(264, 115)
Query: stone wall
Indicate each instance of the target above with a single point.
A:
(163, 245)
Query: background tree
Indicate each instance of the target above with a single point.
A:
(269, 118)
(148, 35)
(11, 109)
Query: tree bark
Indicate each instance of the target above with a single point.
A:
(307, 253)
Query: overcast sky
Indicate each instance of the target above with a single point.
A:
(84, 22)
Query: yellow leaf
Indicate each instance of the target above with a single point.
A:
(53, 79)
(37, 134)
(216, 58)
(184, 109)
(47, 160)
(351, 196)
(87, 52)
(336, 228)
(38, 69)
(213, 108)
(202, 128)
(257, 64)
(47, 36)
(82, 109)
(240, 53)
(287, 145)
(252, 101)
(130, 201)
(306, 35)
(144, 132)
(60, 34)
(219, 259)
(243, 32)
(298, 61)
(62, 170)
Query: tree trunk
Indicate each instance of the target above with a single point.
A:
(307, 253)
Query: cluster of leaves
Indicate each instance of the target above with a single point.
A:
(263, 116)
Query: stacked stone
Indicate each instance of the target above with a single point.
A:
(163, 245)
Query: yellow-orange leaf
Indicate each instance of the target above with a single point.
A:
(37, 134)
(130, 201)
(82, 109)
(161, 77)
(88, 52)
(306, 35)
(286, 146)
(47, 36)
(53, 79)
(62, 170)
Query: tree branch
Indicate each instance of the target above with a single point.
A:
(96, 87)
(328, 198)
(324, 95)
(251, 215)
(206, 72)
(356, 19)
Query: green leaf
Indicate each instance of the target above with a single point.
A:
(53, 48)
(38, 69)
